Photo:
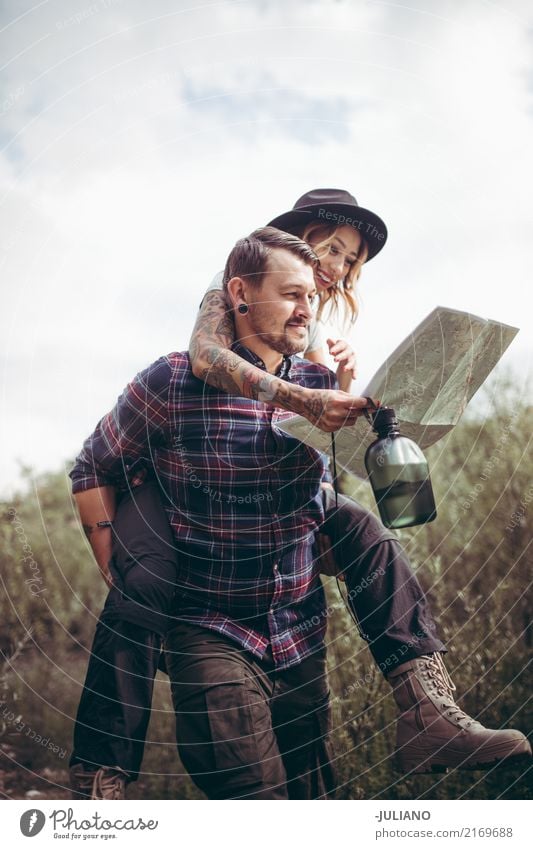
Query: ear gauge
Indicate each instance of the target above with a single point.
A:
(243, 309)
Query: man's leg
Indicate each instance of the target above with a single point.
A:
(301, 717)
(115, 705)
(433, 733)
(221, 696)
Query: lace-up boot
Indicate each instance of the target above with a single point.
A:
(103, 783)
(433, 733)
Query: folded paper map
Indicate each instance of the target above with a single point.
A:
(429, 379)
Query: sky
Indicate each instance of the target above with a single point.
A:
(139, 141)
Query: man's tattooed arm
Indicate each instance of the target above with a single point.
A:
(214, 362)
(214, 327)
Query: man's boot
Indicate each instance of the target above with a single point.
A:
(433, 733)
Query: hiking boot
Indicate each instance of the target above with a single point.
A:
(81, 781)
(433, 733)
(104, 783)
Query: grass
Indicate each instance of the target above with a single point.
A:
(45, 687)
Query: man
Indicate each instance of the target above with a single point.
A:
(247, 657)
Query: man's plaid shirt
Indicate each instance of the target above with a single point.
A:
(242, 497)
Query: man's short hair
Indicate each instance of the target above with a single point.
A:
(249, 258)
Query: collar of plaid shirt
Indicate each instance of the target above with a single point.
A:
(284, 371)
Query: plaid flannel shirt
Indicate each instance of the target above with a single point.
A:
(242, 497)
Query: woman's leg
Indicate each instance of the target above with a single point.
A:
(115, 705)
(383, 591)
(432, 733)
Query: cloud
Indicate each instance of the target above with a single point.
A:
(141, 142)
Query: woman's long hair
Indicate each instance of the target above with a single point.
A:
(320, 236)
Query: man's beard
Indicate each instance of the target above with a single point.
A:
(283, 343)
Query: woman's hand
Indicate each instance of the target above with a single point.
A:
(344, 355)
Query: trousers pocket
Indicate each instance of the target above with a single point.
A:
(235, 748)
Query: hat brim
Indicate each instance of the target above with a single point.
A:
(370, 226)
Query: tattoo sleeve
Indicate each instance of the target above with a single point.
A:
(213, 362)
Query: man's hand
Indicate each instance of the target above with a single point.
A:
(331, 409)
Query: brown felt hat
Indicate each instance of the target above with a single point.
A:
(334, 206)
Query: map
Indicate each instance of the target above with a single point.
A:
(429, 380)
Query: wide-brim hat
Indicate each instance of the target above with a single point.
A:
(334, 206)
